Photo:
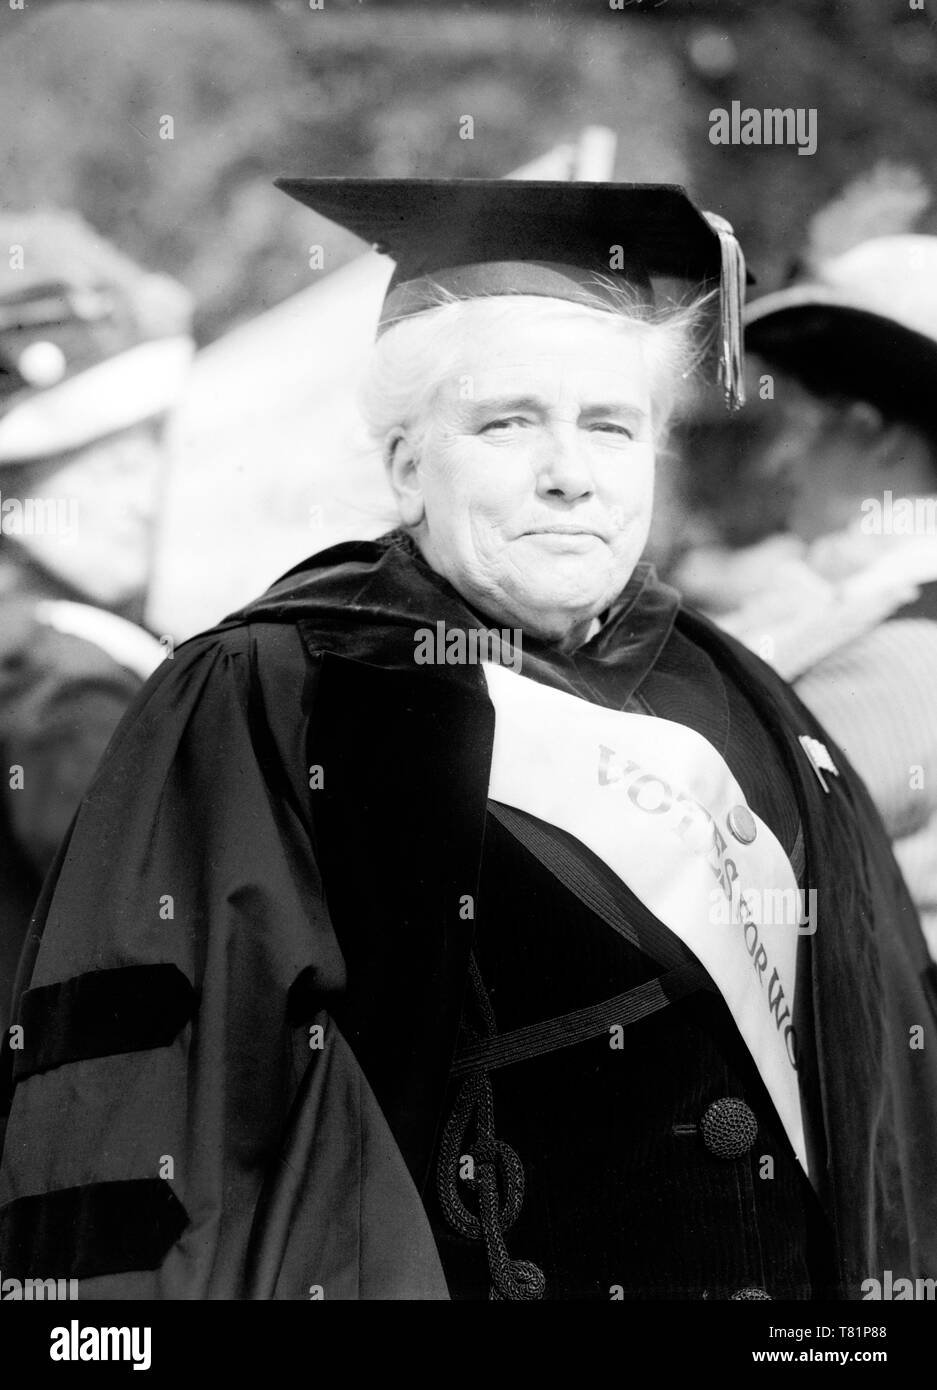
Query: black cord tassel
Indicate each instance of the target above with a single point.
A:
(731, 300)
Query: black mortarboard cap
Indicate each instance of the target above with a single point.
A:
(576, 241)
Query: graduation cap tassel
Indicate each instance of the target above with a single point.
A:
(731, 300)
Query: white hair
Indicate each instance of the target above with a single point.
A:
(417, 354)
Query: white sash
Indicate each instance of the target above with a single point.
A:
(657, 803)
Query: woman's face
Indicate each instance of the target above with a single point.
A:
(531, 486)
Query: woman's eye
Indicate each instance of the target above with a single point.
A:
(505, 422)
(609, 427)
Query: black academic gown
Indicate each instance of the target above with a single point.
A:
(247, 970)
(61, 698)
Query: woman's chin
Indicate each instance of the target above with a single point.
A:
(554, 617)
(560, 598)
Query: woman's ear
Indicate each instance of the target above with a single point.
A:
(403, 473)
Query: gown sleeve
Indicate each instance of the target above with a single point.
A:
(187, 1121)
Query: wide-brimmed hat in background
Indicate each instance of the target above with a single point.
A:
(89, 343)
(860, 318)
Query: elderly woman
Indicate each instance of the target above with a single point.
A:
(465, 919)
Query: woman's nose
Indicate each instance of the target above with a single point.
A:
(564, 466)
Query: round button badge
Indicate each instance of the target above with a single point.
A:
(742, 824)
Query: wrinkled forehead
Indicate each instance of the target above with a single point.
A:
(562, 353)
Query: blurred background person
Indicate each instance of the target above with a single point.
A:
(841, 596)
(93, 352)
